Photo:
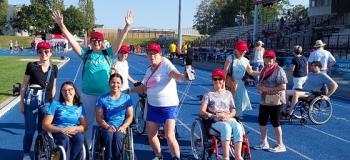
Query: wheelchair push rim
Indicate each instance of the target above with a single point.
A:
(97, 146)
(197, 140)
(300, 111)
(320, 111)
(140, 123)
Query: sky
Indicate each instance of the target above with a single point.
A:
(160, 14)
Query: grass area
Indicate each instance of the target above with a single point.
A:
(22, 41)
(11, 72)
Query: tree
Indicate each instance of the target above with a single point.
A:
(3, 14)
(35, 18)
(269, 14)
(74, 20)
(87, 7)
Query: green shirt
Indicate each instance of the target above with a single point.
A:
(96, 72)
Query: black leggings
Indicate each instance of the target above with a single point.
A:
(269, 111)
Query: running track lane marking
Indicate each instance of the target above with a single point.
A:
(76, 74)
(344, 140)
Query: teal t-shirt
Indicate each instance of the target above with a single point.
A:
(96, 72)
(64, 116)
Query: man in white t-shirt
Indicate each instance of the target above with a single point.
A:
(121, 66)
(325, 57)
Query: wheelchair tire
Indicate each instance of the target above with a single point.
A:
(198, 140)
(300, 110)
(140, 123)
(128, 148)
(85, 151)
(97, 145)
(322, 108)
(58, 152)
(40, 150)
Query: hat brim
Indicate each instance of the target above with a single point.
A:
(319, 45)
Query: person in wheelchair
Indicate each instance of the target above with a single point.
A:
(114, 114)
(218, 105)
(65, 119)
(315, 81)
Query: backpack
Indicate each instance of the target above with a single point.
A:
(88, 56)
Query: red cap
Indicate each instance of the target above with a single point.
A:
(241, 45)
(97, 35)
(218, 72)
(154, 47)
(269, 54)
(124, 49)
(44, 45)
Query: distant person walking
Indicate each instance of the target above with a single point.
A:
(258, 61)
(97, 64)
(325, 57)
(298, 68)
(172, 52)
(11, 45)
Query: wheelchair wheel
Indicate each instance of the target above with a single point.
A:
(41, 150)
(246, 148)
(97, 145)
(128, 148)
(300, 110)
(58, 153)
(320, 110)
(139, 119)
(85, 151)
(198, 140)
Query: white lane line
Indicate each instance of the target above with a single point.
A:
(271, 139)
(328, 134)
(76, 74)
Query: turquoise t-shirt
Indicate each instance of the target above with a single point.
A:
(96, 72)
(64, 116)
(114, 109)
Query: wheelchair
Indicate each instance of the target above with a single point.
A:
(46, 149)
(206, 146)
(139, 111)
(98, 147)
(315, 107)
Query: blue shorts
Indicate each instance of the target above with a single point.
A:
(160, 114)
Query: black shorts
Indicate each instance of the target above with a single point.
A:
(273, 112)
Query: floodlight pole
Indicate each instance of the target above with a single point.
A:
(179, 44)
(255, 26)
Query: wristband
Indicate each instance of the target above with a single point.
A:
(210, 115)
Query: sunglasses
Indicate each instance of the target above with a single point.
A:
(216, 79)
(44, 51)
(96, 40)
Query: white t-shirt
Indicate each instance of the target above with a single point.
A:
(161, 88)
(123, 69)
(323, 56)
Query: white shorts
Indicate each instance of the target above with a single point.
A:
(298, 82)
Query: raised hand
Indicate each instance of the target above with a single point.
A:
(57, 17)
(129, 18)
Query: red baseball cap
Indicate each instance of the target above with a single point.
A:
(44, 45)
(269, 54)
(241, 45)
(97, 35)
(218, 72)
(154, 47)
(124, 49)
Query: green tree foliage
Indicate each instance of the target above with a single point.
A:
(74, 20)
(3, 14)
(87, 7)
(35, 18)
(297, 12)
(269, 14)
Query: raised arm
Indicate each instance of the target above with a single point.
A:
(119, 41)
(58, 18)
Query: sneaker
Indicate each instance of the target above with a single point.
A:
(262, 145)
(175, 158)
(158, 158)
(26, 157)
(278, 148)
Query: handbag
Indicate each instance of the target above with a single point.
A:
(230, 83)
(37, 94)
(272, 100)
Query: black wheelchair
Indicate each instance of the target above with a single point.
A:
(98, 147)
(206, 146)
(46, 149)
(318, 110)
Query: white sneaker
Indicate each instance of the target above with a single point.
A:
(262, 145)
(26, 157)
(278, 148)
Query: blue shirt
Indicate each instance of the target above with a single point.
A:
(114, 109)
(315, 81)
(64, 115)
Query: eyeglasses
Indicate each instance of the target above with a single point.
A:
(69, 90)
(217, 79)
(44, 51)
(96, 40)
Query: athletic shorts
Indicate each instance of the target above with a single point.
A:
(160, 114)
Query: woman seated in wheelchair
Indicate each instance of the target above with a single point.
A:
(315, 81)
(65, 119)
(218, 104)
(114, 114)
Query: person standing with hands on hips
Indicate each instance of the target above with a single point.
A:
(97, 65)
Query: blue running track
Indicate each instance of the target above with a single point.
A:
(318, 142)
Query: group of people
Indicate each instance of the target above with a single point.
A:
(105, 94)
